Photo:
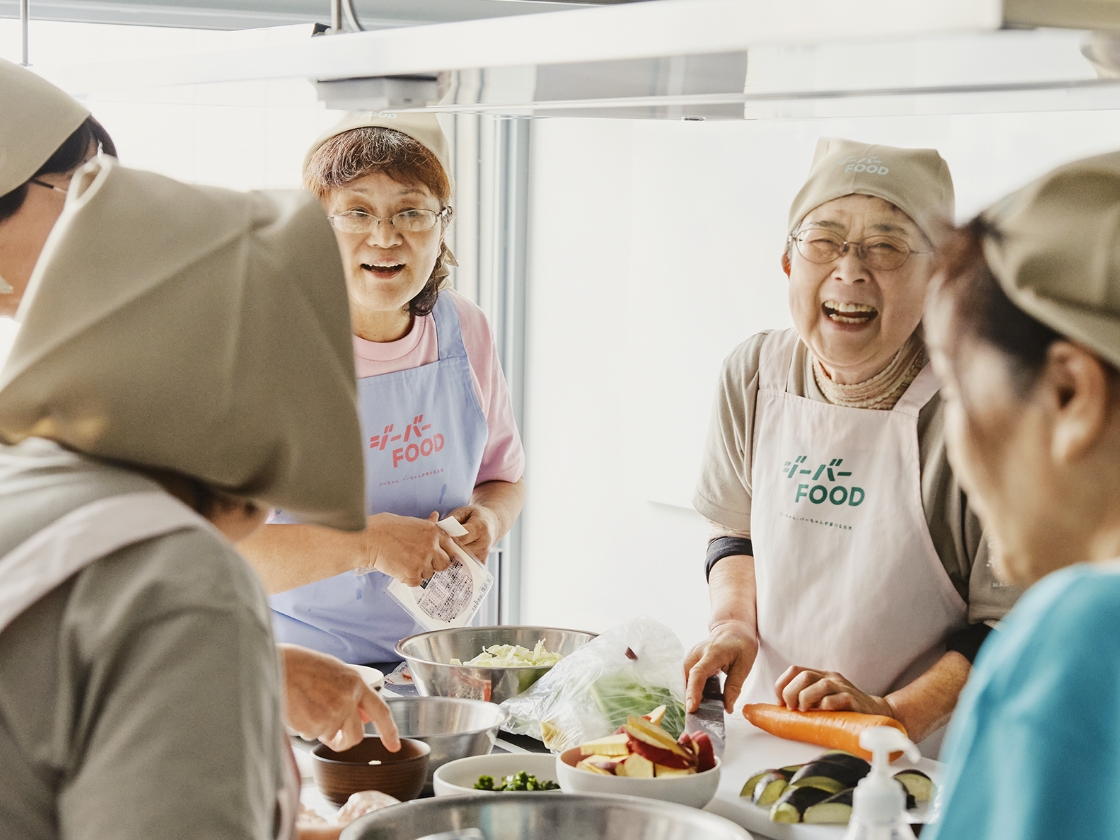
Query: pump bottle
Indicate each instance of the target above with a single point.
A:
(879, 802)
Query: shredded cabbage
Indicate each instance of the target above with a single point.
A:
(513, 656)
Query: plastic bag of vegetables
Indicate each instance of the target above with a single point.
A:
(629, 670)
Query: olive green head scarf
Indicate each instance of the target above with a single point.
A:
(1055, 250)
(197, 330)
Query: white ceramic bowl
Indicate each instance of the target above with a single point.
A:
(696, 790)
(458, 777)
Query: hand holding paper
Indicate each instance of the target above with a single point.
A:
(451, 598)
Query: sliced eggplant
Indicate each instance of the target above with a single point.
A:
(748, 788)
(794, 802)
(829, 775)
(854, 763)
(769, 788)
(835, 810)
(917, 784)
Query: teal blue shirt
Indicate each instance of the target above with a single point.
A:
(1034, 748)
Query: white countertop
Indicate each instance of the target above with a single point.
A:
(750, 750)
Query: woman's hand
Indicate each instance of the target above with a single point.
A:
(731, 647)
(483, 529)
(803, 689)
(326, 699)
(406, 548)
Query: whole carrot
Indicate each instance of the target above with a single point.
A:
(835, 730)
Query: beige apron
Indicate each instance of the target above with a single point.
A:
(70, 543)
(847, 575)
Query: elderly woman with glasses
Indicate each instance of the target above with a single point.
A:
(845, 569)
(438, 428)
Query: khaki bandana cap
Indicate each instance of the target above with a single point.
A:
(916, 181)
(198, 330)
(35, 119)
(1056, 251)
(422, 127)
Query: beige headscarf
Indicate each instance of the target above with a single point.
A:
(1057, 253)
(197, 330)
(422, 127)
(35, 119)
(916, 181)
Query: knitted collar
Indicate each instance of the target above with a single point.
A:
(883, 389)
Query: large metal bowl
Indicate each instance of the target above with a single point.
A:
(429, 656)
(453, 727)
(531, 816)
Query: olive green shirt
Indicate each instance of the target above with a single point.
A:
(140, 698)
(723, 493)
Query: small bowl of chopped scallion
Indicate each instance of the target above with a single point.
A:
(497, 772)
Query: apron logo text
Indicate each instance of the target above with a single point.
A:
(420, 448)
(818, 494)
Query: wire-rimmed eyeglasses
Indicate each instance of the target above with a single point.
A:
(882, 251)
(407, 221)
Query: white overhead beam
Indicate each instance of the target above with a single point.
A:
(254, 14)
(636, 30)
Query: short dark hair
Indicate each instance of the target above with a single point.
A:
(353, 154)
(980, 309)
(69, 156)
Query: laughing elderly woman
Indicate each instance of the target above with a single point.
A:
(845, 569)
(438, 425)
(1024, 322)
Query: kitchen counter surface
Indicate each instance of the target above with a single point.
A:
(747, 751)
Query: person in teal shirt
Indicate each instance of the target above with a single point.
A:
(1035, 751)
(1023, 322)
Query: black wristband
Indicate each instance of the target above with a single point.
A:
(722, 547)
(967, 642)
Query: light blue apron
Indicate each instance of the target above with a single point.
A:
(424, 435)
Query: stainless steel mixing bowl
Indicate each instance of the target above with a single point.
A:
(429, 656)
(532, 816)
(453, 727)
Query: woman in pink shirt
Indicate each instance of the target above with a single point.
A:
(439, 434)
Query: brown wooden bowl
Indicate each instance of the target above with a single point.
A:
(400, 774)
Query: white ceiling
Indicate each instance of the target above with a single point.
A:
(252, 14)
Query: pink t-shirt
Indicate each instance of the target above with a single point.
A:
(503, 459)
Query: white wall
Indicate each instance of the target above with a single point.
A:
(654, 250)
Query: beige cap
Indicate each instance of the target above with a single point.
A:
(38, 117)
(1057, 251)
(421, 126)
(916, 181)
(198, 330)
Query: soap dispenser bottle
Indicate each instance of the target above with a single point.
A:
(879, 802)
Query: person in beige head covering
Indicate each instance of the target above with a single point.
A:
(1024, 329)
(45, 136)
(440, 437)
(324, 699)
(146, 425)
(845, 569)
